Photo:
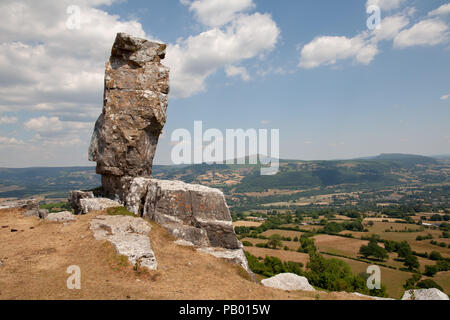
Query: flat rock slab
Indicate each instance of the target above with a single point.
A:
(129, 236)
(64, 216)
(97, 204)
(288, 282)
(425, 294)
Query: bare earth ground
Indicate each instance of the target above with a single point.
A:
(35, 259)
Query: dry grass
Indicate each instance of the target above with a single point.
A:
(339, 245)
(283, 233)
(246, 224)
(281, 254)
(36, 257)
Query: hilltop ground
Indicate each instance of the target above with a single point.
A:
(36, 256)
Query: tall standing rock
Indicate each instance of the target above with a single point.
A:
(134, 112)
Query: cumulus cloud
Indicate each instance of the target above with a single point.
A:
(194, 59)
(428, 32)
(441, 11)
(233, 71)
(385, 4)
(215, 13)
(445, 97)
(328, 50)
(45, 63)
(362, 48)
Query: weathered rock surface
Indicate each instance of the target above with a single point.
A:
(129, 236)
(97, 204)
(425, 294)
(194, 213)
(236, 256)
(134, 111)
(75, 197)
(64, 216)
(289, 282)
(29, 204)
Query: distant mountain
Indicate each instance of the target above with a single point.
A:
(373, 172)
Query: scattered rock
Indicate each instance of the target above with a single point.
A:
(134, 111)
(29, 204)
(14, 230)
(425, 294)
(75, 199)
(129, 236)
(39, 213)
(288, 282)
(193, 213)
(64, 216)
(1, 263)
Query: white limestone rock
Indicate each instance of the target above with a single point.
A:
(97, 204)
(129, 236)
(288, 282)
(233, 255)
(425, 294)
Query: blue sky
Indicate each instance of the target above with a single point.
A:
(312, 69)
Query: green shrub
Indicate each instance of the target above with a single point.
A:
(119, 211)
(247, 243)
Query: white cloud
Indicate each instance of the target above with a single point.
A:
(442, 10)
(216, 13)
(10, 141)
(54, 124)
(385, 4)
(194, 59)
(428, 32)
(265, 122)
(8, 120)
(390, 27)
(445, 97)
(233, 71)
(44, 63)
(328, 50)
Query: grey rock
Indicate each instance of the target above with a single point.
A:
(42, 213)
(233, 255)
(288, 282)
(129, 236)
(425, 294)
(64, 216)
(28, 204)
(75, 197)
(97, 204)
(134, 111)
(194, 213)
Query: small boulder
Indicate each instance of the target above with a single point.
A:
(75, 199)
(288, 282)
(64, 216)
(97, 204)
(425, 294)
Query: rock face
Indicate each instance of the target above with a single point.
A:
(193, 213)
(289, 282)
(129, 236)
(425, 294)
(134, 111)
